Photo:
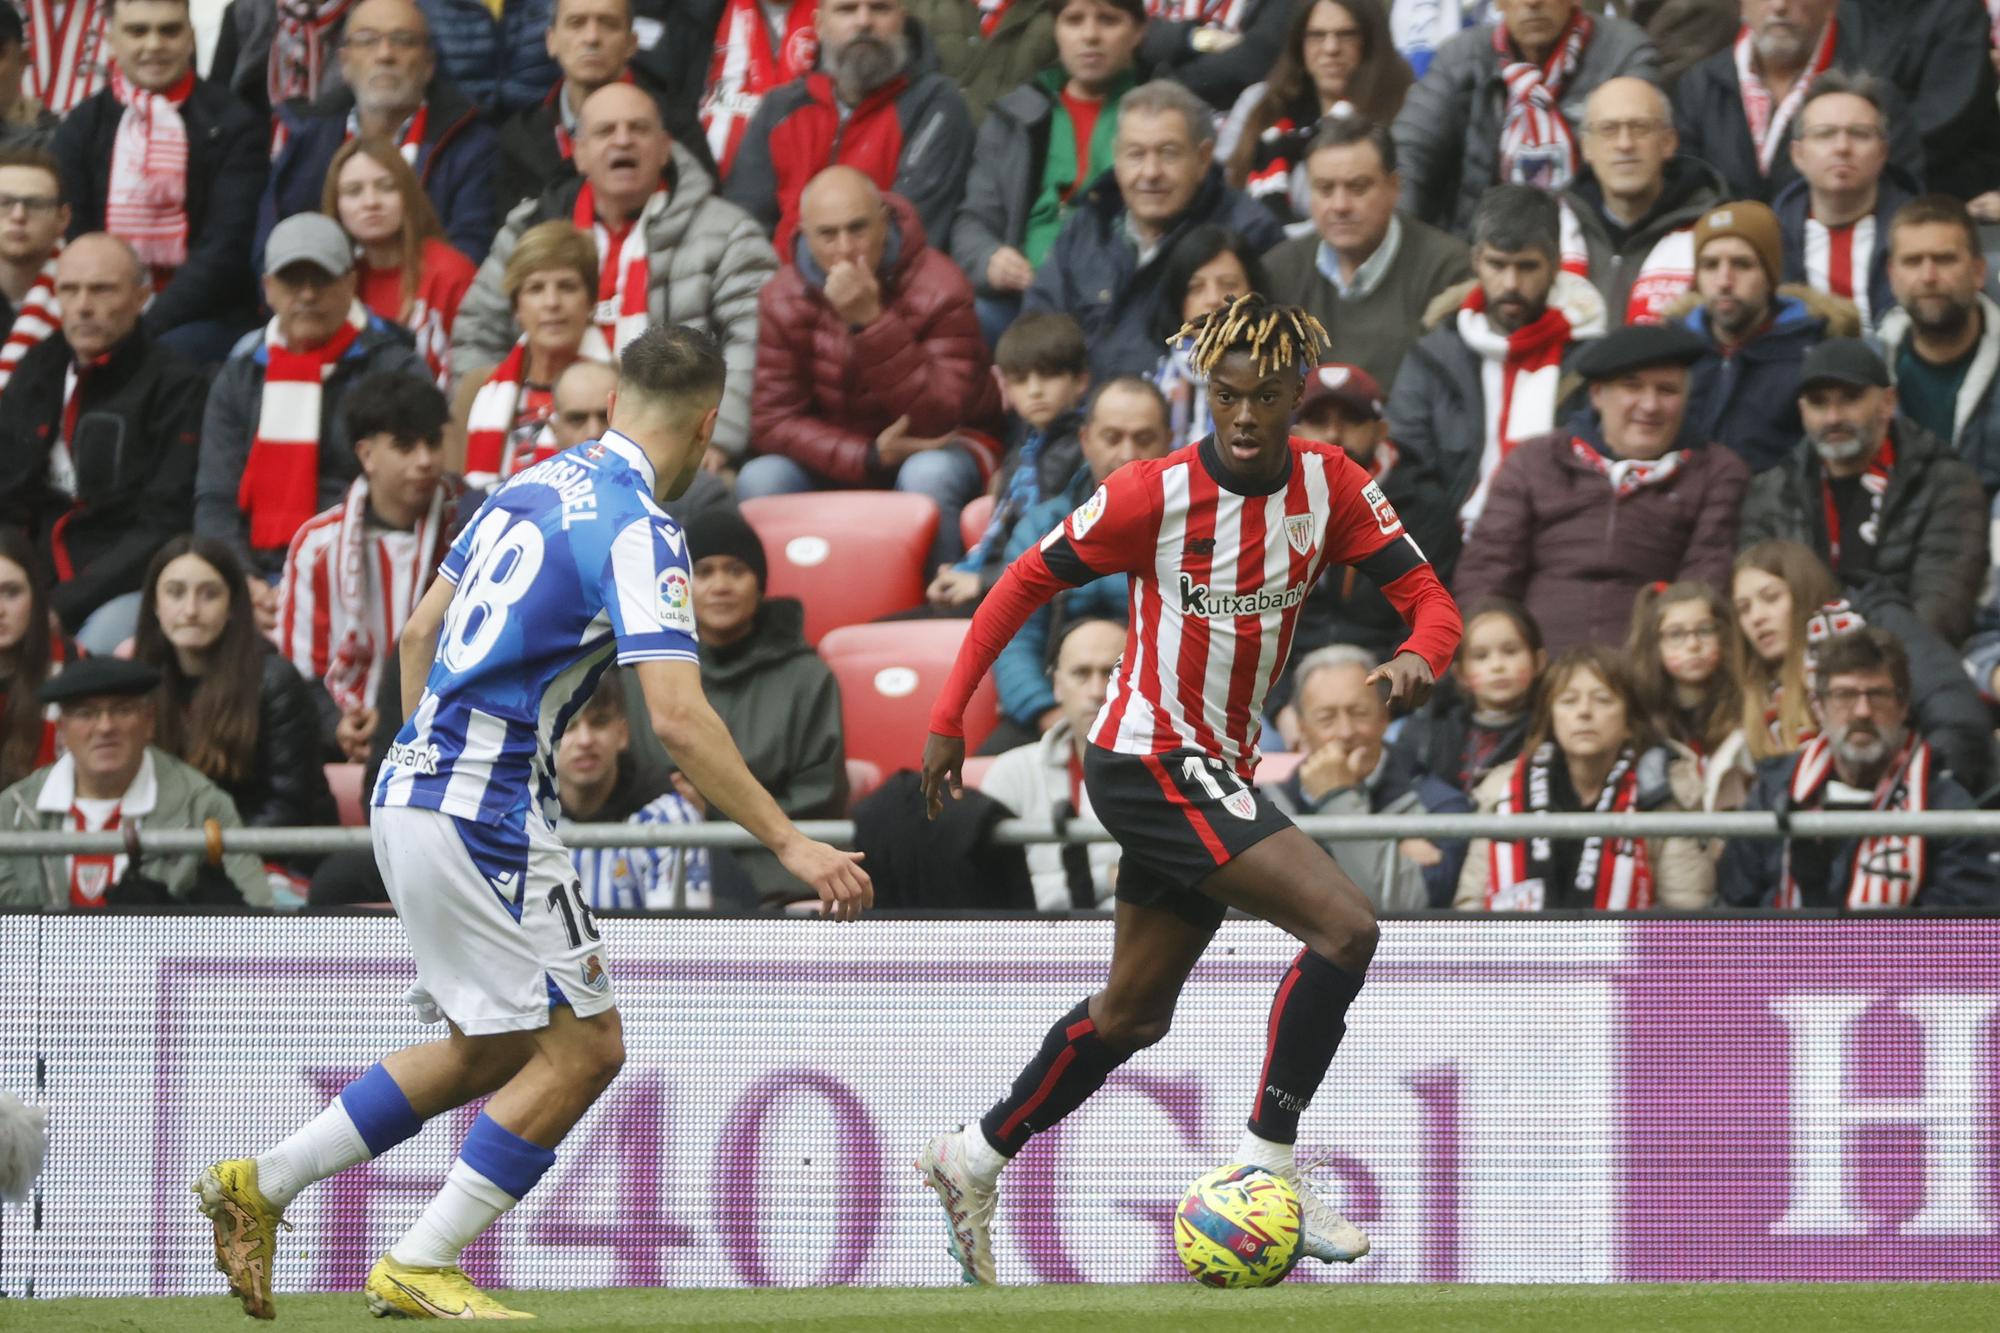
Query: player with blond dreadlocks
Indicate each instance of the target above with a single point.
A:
(1221, 541)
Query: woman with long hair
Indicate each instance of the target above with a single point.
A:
(405, 270)
(503, 413)
(1337, 60)
(228, 703)
(30, 652)
(1786, 601)
(1589, 748)
(1206, 270)
(1679, 651)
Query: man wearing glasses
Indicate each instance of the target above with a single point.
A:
(1865, 758)
(32, 221)
(172, 165)
(392, 90)
(1834, 219)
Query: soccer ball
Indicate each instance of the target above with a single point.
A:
(1238, 1226)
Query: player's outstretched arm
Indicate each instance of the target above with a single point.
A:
(701, 744)
(419, 644)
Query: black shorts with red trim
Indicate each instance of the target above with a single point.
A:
(1178, 818)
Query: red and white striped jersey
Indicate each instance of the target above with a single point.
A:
(311, 618)
(1217, 578)
(1838, 260)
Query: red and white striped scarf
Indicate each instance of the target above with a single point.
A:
(410, 142)
(1615, 873)
(743, 68)
(280, 488)
(357, 650)
(1226, 14)
(1888, 869)
(1838, 260)
(66, 42)
(91, 874)
(145, 203)
(1628, 476)
(1875, 481)
(494, 431)
(298, 47)
(35, 318)
(1537, 146)
(623, 279)
(1520, 374)
(1768, 126)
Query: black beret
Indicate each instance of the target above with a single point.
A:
(1636, 347)
(92, 677)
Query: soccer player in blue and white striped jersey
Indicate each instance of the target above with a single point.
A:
(569, 565)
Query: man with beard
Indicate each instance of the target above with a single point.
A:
(1490, 372)
(1877, 496)
(876, 103)
(390, 90)
(1865, 758)
(1746, 387)
(1943, 338)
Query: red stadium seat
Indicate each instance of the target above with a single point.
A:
(862, 778)
(1277, 766)
(850, 556)
(345, 779)
(972, 520)
(889, 674)
(976, 766)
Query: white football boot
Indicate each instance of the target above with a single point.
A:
(968, 1204)
(1324, 1234)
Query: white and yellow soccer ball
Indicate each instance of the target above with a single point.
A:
(1238, 1226)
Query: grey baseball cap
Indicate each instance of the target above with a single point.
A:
(308, 238)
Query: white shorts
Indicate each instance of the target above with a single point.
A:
(496, 924)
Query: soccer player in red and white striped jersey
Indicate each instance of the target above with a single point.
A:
(1221, 541)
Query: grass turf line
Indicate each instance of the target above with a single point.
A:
(1820, 1308)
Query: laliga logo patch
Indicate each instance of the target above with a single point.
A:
(1299, 532)
(676, 600)
(1385, 513)
(1086, 516)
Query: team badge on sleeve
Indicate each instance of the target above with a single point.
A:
(1086, 516)
(676, 601)
(1385, 513)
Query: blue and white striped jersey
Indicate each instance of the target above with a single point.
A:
(641, 879)
(568, 562)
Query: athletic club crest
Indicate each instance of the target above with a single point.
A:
(1241, 804)
(1299, 532)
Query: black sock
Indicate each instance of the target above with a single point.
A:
(1308, 1019)
(1072, 1064)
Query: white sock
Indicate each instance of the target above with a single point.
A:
(981, 1158)
(326, 1144)
(467, 1205)
(1255, 1150)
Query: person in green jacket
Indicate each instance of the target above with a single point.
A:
(110, 778)
(987, 49)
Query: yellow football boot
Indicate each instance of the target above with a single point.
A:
(397, 1291)
(246, 1231)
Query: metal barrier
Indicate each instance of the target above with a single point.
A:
(1326, 828)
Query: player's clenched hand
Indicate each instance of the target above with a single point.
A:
(837, 877)
(944, 770)
(1409, 678)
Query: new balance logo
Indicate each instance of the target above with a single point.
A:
(1199, 546)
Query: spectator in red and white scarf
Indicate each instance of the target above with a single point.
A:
(592, 42)
(355, 571)
(98, 441)
(274, 444)
(171, 164)
(33, 218)
(1501, 102)
(68, 59)
(1590, 748)
(1835, 218)
(390, 89)
(1623, 495)
(758, 47)
(1866, 757)
(409, 274)
(669, 250)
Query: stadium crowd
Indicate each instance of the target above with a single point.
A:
(1668, 329)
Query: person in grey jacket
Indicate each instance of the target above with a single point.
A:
(779, 701)
(110, 777)
(1451, 129)
(707, 258)
(1348, 770)
(1908, 512)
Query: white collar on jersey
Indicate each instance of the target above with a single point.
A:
(626, 449)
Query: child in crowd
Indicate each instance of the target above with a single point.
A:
(31, 651)
(1687, 684)
(1044, 371)
(1467, 731)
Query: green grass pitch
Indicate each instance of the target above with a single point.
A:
(1791, 1308)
